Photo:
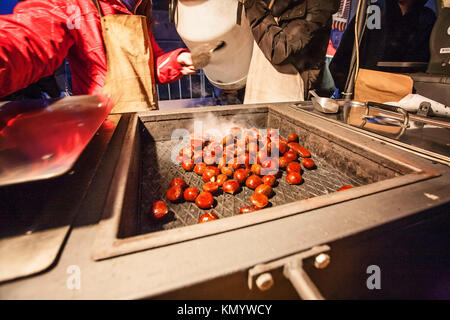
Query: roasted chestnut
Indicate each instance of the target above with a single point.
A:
(231, 186)
(228, 171)
(244, 159)
(240, 175)
(294, 166)
(206, 217)
(215, 169)
(256, 169)
(198, 156)
(272, 133)
(291, 155)
(292, 137)
(302, 151)
(253, 182)
(345, 187)
(178, 182)
(283, 162)
(244, 210)
(294, 178)
(174, 194)
(269, 180)
(308, 163)
(221, 178)
(187, 152)
(204, 200)
(188, 165)
(159, 209)
(191, 193)
(264, 189)
(211, 187)
(270, 167)
(259, 200)
(199, 168)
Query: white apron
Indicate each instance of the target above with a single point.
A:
(269, 83)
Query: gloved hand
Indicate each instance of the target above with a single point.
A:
(185, 59)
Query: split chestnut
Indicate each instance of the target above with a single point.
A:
(259, 200)
(188, 165)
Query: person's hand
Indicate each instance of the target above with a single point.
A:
(185, 59)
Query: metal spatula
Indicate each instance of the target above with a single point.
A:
(201, 55)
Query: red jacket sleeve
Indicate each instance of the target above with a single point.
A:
(167, 68)
(34, 40)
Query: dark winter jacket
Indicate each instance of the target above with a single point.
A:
(300, 37)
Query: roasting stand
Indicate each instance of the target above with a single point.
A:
(122, 254)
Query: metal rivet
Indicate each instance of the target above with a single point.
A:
(264, 281)
(322, 261)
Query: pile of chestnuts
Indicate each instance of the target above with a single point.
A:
(243, 157)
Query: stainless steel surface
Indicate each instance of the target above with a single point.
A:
(43, 139)
(128, 227)
(377, 117)
(432, 141)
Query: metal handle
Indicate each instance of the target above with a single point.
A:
(172, 9)
(385, 107)
(302, 283)
(388, 107)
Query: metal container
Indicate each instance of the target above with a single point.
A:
(144, 172)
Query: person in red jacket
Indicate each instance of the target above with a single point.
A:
(39, 34)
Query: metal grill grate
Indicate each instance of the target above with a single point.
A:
(157, 171)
